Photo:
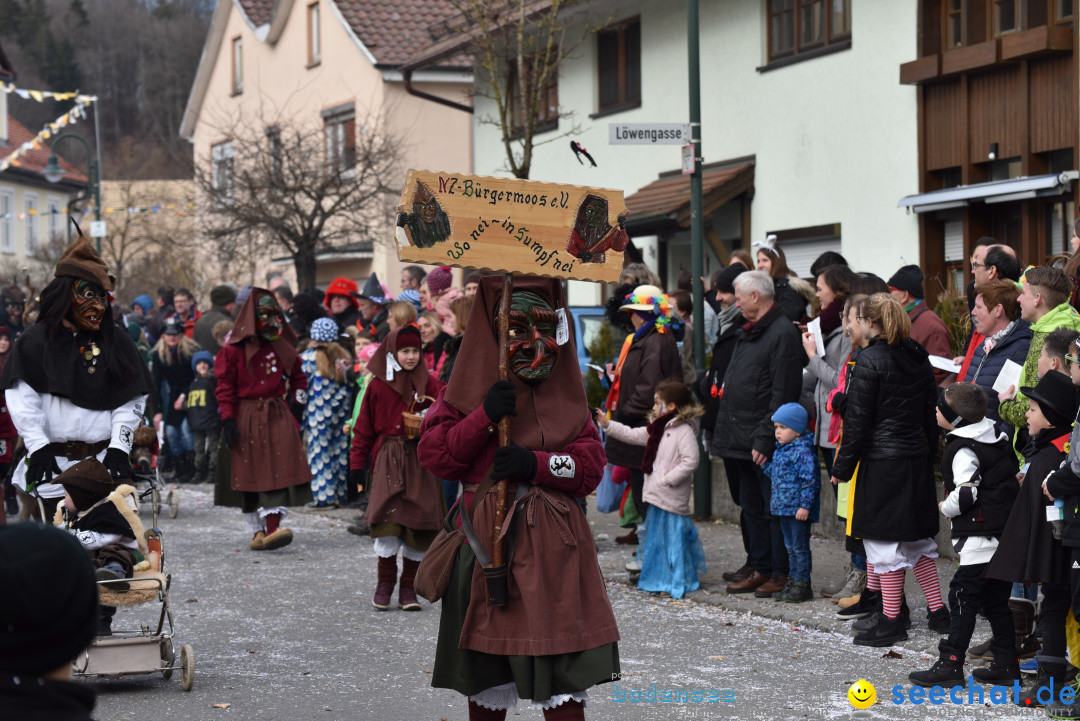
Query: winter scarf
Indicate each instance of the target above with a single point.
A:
(656, 432)
(830, 315)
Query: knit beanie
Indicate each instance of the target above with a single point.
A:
(909, 278)
(145, 302)
(80, 260)
(323, 330)
(725, 279)
(202, 355)
(409, 337)
(48, 608)
(412, 296)
(439, 280)
(473, 277)
(793, 416)
(222, 295)
(368, 352)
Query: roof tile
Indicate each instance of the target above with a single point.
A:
(393, 30)
(35, 160)
(259, 12)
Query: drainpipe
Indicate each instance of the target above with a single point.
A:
(406, 75)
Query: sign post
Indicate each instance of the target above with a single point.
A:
(511, 226)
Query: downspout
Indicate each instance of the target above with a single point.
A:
(406, 75)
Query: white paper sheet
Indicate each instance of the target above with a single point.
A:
(1009, 376)
(944, 364)
(814, 327)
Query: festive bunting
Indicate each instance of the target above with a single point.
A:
(41, 95)
(69, 118)
(184, 209)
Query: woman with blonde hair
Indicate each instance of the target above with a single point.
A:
(326, 363)
(172, 374)
(433, 340)
(459, 311)
(887, 453)
(400, 313)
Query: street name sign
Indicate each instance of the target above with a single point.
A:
(649, 133)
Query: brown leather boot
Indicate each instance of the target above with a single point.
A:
(629, 539)
(739, 574)
(748, 584)
(773, 585)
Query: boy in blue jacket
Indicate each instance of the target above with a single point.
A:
(796, 487)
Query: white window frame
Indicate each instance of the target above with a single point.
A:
(314, 36)
(237, 65)
(335, 123)
(221, 157)
(54, 205)
(7, 221)
(31, 231)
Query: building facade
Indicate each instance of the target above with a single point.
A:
(327, 65)
(806, 132)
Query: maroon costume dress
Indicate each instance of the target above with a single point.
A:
(267, 467)
(557, 635)
(406, 501)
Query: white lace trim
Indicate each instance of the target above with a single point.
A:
(411, 553)
(387, 546)
(264, 512)
(505, 697)
(254, 523)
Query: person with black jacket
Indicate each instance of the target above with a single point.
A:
(978, 469)
(891, 434)
(764, 373)
(1030, 551)
(202, 415)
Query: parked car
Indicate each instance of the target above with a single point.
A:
(587, 321)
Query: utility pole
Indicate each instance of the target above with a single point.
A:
(702, 476)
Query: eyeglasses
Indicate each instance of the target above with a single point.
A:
(979, 265)
(1072, 359)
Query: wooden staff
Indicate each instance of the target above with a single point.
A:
(502, 488)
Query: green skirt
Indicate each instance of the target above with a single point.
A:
(248, 502)
(538, 678)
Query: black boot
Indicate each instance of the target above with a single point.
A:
(887, 632)
(947, 671)
(105, 617)
(1029, 698)
(869, 601)
(185, 467)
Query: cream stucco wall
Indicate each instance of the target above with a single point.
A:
(834, 137)
(278, 84)
(14, 257)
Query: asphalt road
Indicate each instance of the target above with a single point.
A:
(291, 635)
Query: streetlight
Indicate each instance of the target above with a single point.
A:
(54, 174)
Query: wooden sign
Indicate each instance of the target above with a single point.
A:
(512, 226)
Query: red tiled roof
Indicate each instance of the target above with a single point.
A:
(259, 12)
(394, 30)
(670, 193)
(35, 160)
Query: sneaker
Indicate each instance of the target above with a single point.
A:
(947, 671)
(633, 566)
(995, 672)
(1028, 648)
(1029, 698)
(795, 592)
(938, 621)
(1031, 666)
(867, 622)
(855, 584)
(383, 593)
(981, 650)
(406, 600)
(834, 588)
(886, 633)
(868, 603)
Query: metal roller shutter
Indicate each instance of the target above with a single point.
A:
(800, 256)
(954, 241)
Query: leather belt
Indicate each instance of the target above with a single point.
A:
(78, 450)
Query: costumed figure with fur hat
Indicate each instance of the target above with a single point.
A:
(325, 363)
(405, 506)
(556, 635)
(261, 391)
(75, 385)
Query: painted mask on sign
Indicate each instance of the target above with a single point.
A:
(268, 318)
(533, 349)
(88, 304)
(591, 223)
(428, 223)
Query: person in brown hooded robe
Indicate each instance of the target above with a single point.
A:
(556, 636)
(261, 390)
(406, 505)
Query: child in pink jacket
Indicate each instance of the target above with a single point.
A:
(671, 555)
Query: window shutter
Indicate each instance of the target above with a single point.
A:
(349, 145)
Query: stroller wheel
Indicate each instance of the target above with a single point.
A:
(173, 501)
(155, 500)
(187, 667)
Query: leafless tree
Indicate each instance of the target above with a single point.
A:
(294, 188)
(518, 47)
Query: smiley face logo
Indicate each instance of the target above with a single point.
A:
(862, 694)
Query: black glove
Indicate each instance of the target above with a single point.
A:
(40, 468)
(514, 462)
(119, 464)
(229, 432)
(839, 403)
(501, 400)
(357, 477)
